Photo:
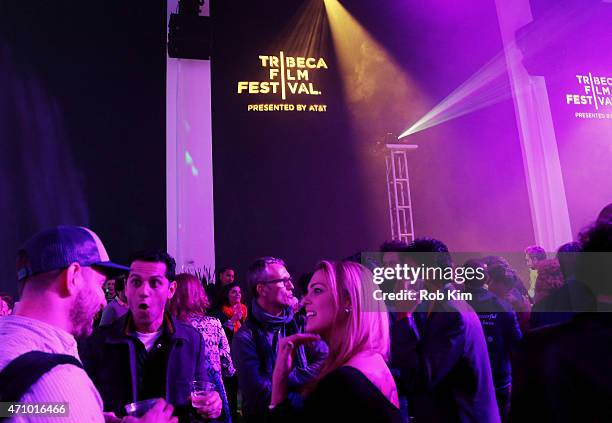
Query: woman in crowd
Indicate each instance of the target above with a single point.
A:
(189, 304)
(355, 383)
(504, 282)
(549, 281)
(233, 314)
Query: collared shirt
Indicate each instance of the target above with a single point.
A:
(63, 383)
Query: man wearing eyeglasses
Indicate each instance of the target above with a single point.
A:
(255, 345)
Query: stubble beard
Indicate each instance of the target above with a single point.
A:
(81, 316)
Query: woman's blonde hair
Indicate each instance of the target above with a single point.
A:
(189, 298)
(361, 323)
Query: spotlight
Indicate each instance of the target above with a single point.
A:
(190, 34)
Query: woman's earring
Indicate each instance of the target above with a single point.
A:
(347, 310)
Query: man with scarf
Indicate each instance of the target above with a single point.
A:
(254, 346)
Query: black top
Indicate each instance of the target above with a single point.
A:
(344, 395)
(151, 367)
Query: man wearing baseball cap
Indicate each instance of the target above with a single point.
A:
(61, 272)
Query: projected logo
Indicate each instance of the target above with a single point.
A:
(290, 79)
(594, 92)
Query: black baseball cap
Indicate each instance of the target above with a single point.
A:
(57, 248)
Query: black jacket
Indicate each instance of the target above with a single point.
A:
(109, 357)
(254, 355)
(501, 330)
(444, 364)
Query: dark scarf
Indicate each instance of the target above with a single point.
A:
(269, 321)
(278, 325)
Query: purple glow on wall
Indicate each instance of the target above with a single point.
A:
(467, 175)
(477, 181)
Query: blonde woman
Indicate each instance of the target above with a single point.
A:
(355, 383)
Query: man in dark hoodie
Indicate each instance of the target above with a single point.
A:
(254, 346)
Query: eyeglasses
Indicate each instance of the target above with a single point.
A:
(286, 281)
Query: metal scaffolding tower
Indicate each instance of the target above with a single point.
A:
(398, 190)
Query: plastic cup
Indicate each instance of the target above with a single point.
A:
(140, 408)
(200, 392)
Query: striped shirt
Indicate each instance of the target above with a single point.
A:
(63, 383)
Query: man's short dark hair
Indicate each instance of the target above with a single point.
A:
(567, 255)
(431, 245)
(355, 258)
(597, 237)
(472, 283)
(595, 261)
(223, 269)
(157, 256)
(257, 272)
(605, 213)
(393, 246)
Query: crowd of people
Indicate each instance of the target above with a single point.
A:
(102, 337)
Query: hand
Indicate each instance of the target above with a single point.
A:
(160, 413)
(212, 407)
(284, 358)
(284, 363)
